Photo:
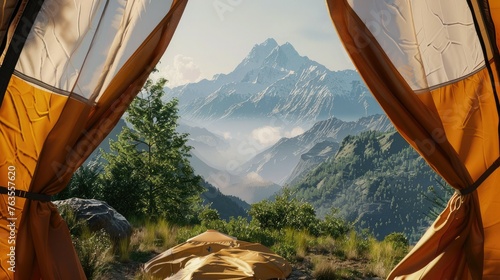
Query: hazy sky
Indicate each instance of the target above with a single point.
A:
(215, 35)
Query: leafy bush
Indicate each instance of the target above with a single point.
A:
(184, 233)
(286, 250)
(250, 231)
(284, 212)
(398, 240)
(210, 218)
(208, 214)
(334, 226)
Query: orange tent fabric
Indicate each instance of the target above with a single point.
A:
(432, 65)
(213, 255)
(73, 75)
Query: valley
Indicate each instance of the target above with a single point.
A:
(280, 120)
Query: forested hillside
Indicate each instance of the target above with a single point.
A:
(226, 205)
(377, 181)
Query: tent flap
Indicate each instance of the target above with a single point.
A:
(80, 67)
(431, 67)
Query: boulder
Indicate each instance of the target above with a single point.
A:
(99, 215)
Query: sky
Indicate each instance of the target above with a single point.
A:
(215, 35)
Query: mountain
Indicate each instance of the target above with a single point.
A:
(277, 162)
(318, 154)
(378, 182)
(276, 81)
(227, 206)
(207, 146)
(104, 145)
(245, 187)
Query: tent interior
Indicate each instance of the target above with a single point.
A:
(432, 65)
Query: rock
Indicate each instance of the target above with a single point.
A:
(99, 215)
(299, 275)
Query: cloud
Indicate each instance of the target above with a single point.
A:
(255, 179)
(227, 135)
(182, 71)
(294, 132)
(266, 135)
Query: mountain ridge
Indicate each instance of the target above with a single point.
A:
(376, 181)
(277, 162)
(275, 80)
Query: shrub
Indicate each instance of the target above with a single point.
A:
(286, 250)
(285, 212)
(184, 233)
(208, 215)
(249, 231)
(398, 240)
(334, 226)
(93, 250)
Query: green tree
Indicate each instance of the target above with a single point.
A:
(149, 172)
(85, 182)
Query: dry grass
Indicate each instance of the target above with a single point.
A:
(353, 256)
(124, 250)
(327, 269)
(383, 256)
(301, 242)
(94, 252)
(326, 245)
(156, 237)
(354, 246)
(141, 275)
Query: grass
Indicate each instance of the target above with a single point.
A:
(329, 268)
(154, 236)
(141, 275)
(94, 252)
(325, 245)
(124, 250)
(384, 256)
(354, 246)
(351, 256)
(326, 271)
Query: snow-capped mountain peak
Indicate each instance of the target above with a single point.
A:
(257, 56)
(275, 80)
(285, 57)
